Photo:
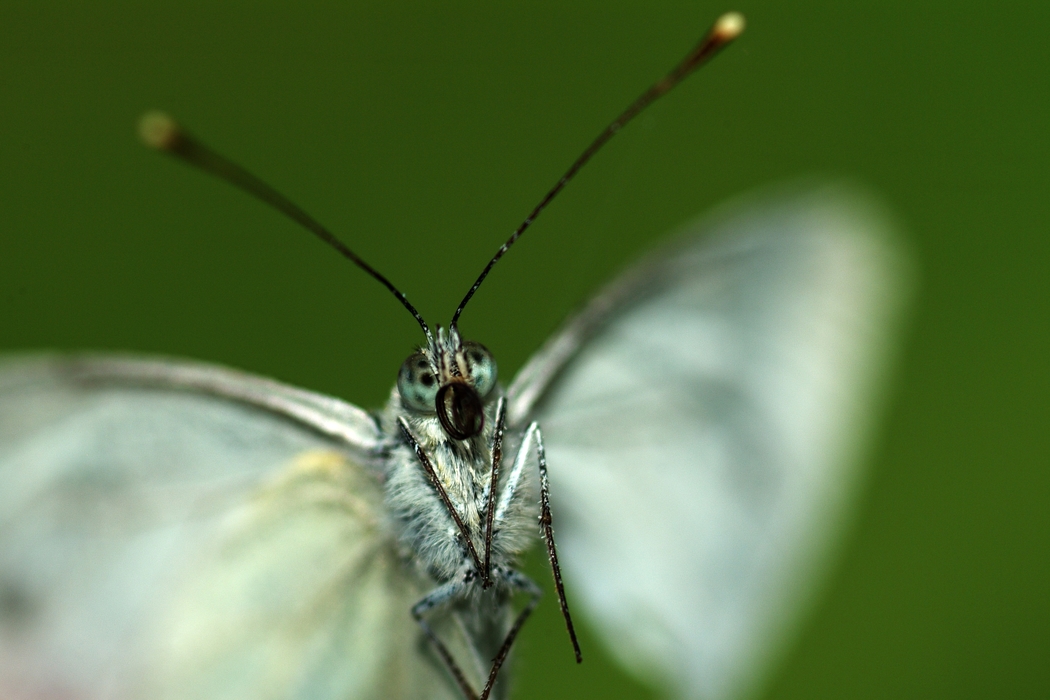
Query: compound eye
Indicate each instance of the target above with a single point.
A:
(481, 367)
(417, 384)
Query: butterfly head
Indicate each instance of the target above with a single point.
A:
(452, 378)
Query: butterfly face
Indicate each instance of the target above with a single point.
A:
(452, 379)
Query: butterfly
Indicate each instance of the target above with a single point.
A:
(177, 529)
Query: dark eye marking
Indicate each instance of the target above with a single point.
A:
(426, 379)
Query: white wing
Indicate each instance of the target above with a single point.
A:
(175, 530)
(702, 418)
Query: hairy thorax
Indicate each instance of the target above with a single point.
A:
(421, 520)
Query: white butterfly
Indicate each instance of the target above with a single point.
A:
(173, 529)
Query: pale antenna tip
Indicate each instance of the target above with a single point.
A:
(729, 26)
(158, 130)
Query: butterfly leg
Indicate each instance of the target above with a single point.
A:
(450, 591)
(548, 536)
(510, 488)
(490, 496)
(517, 582)
(534, 438)
(440, 596)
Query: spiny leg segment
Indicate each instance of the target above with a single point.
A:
(548, 537)
(490, 508)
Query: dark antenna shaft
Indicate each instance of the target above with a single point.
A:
(163, 133)
(727, 28)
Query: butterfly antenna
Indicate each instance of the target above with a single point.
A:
(159, 131)
(727, 28)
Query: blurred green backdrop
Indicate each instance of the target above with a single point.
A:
(423, 133)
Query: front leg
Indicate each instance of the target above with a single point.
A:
(548, 536)
(490, 496)
(533, 436)
(516, 471)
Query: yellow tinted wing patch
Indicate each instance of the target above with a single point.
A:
(302, 595)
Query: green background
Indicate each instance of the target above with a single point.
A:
(423, 133)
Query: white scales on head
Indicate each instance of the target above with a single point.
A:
(171, 529)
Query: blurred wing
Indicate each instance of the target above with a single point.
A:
(702, 417)
(178, 530)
